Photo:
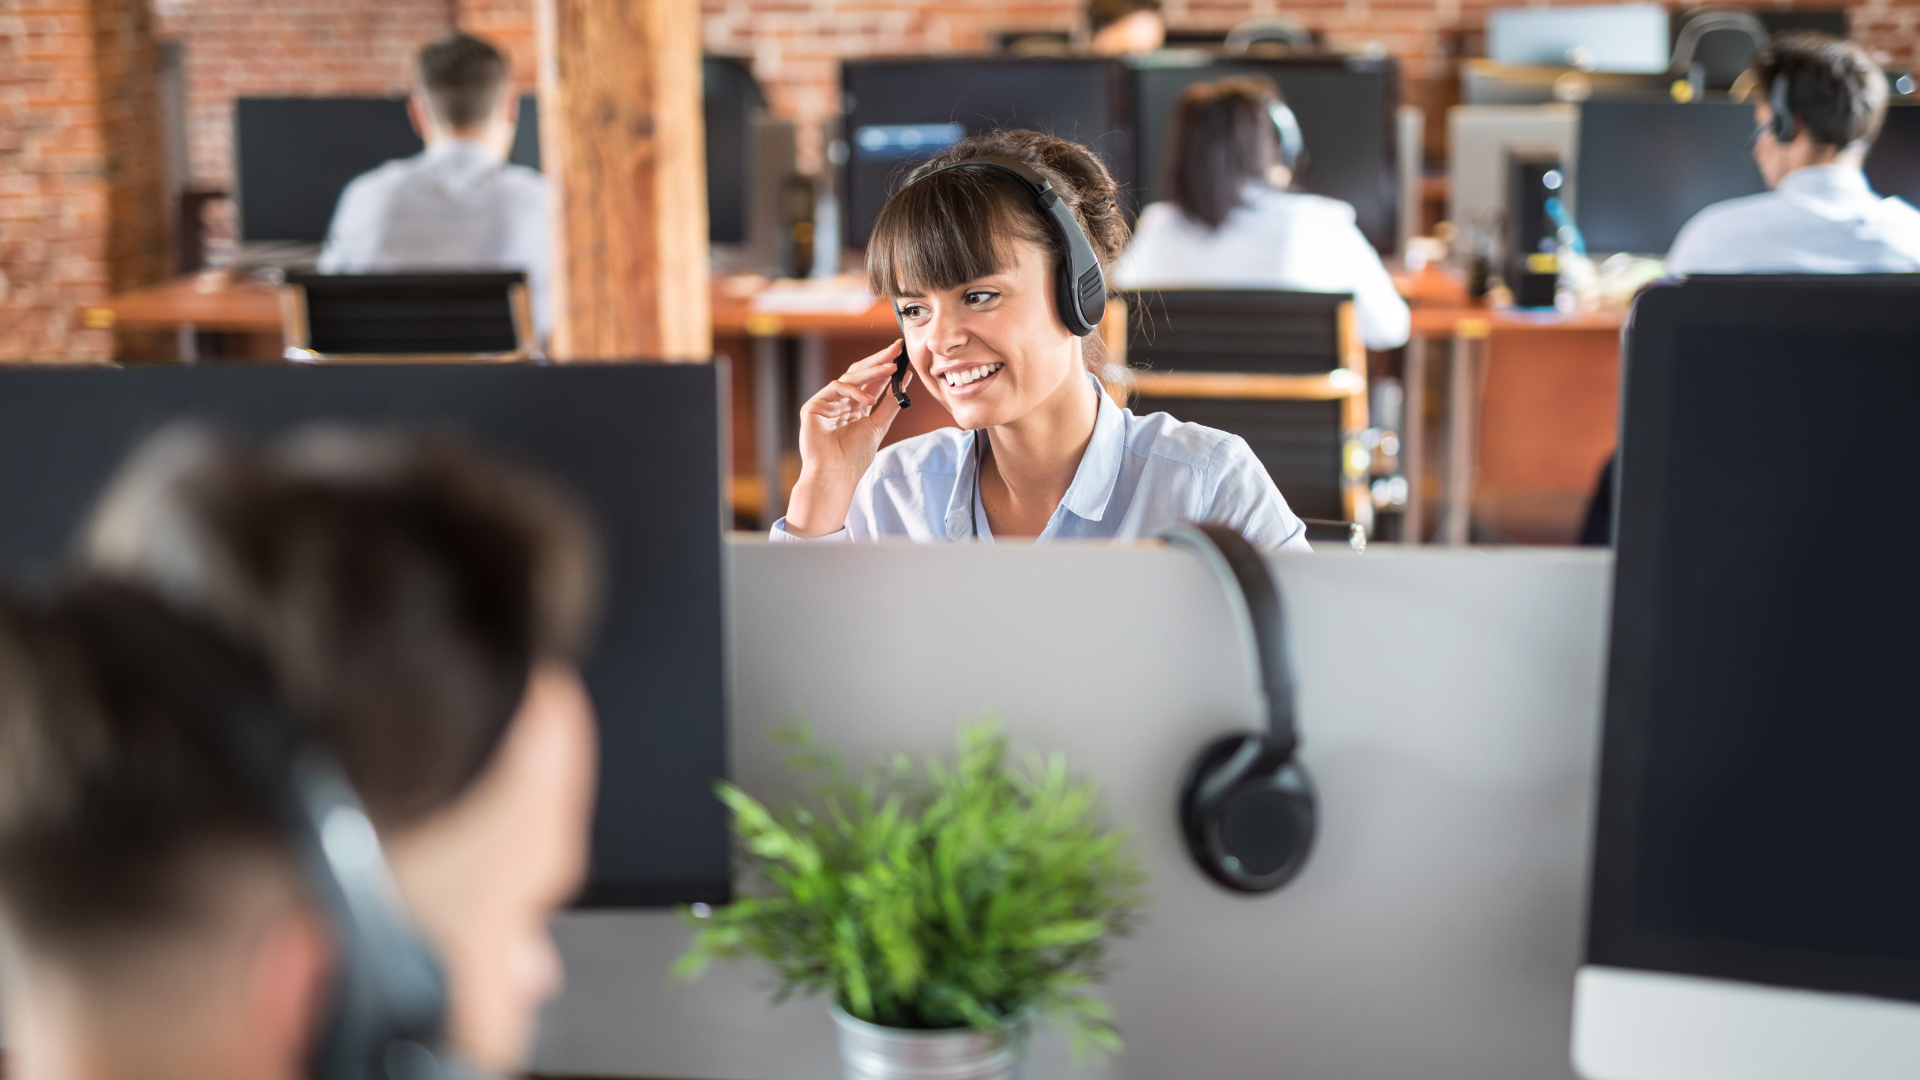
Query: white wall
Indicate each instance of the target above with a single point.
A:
(1450, 712)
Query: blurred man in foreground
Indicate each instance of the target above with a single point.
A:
(417, 612)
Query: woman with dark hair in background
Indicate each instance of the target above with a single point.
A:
(1232, 222)
(969, 256)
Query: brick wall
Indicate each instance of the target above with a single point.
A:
(81, 186)
(289, 48)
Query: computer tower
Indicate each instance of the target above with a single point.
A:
(1532, 265)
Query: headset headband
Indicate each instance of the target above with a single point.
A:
(1779, 101)
(1292, 143)
(1080, 288)
(389, 991)
(1256, 601)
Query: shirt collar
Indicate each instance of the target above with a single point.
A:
(1093, 482)
(1825, 180)
(1099, 471)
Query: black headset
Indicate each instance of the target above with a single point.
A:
(1080, 287)
(1247, 804)
(1782, 125)
(387, 1019)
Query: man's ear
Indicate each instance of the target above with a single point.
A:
(290, 986)
(420, 117)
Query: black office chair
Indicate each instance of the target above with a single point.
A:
(410, 318)
(1285, 371)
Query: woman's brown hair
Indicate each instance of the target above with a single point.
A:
(1223, 137)
(939, 232)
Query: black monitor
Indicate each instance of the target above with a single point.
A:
(1345, 106)
(730, 100)
(658, 670)
(1754, 887)
(901, 112)
(294, 156)
(1644, 168)
(1893, 164)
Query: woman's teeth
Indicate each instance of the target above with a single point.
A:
(971, 375)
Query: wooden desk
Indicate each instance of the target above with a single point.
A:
(1531, 407)
(189, 305)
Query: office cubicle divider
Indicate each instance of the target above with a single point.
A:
(1448, 711)
(657, 670)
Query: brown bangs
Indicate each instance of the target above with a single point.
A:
(952, 228)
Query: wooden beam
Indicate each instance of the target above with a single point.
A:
(620, 125)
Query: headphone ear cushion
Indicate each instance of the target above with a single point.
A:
(1248, 814)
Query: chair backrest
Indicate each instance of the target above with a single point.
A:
(414, 317)
(1248, 331)
(1283, 370)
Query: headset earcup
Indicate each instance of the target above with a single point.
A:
(1247, 813)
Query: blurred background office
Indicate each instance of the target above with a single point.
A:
(1517, 171)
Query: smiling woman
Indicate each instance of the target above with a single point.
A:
(993, 255)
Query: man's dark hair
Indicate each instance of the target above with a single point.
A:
(394, 593)
(113, 798)
(463, 78)
(1104, 13)
(1833, 87)
(1222, 137)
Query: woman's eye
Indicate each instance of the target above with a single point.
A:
(981, 296)
(913, 311)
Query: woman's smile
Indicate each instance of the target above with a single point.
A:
(968, 380)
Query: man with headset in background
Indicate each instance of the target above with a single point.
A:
(413, 613)
(1818, 105)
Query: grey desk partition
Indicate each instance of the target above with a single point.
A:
(1450, 712)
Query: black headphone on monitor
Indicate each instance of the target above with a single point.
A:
(1782, 125)
(1247, 804)
(1080, 287)
(387, 1019)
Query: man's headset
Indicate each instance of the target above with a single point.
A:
(1782, 125)
(387, 1019)
(1080, 288)
(1247, 805)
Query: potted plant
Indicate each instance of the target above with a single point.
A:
(944, 908)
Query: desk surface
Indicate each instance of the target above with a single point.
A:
(1440, 304)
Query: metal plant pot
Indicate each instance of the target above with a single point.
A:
(871, 1052)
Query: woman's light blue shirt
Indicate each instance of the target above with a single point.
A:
(1139, 475)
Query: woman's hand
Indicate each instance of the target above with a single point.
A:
(840, 432)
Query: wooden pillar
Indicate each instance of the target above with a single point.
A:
(621, 131)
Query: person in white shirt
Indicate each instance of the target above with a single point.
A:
(1818, 104)
(969, 253)
(1232, 223)
(458, 205)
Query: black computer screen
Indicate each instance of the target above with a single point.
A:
(901, 112)
(657, 672)
(1644, 168)
(1758, 813)
(729, 101)
(1893, 164)
(294, 156)
(1346, 113)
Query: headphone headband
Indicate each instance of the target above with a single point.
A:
(1779, 100)
(1292, 143)
(1080, 286)
(1256, 600)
